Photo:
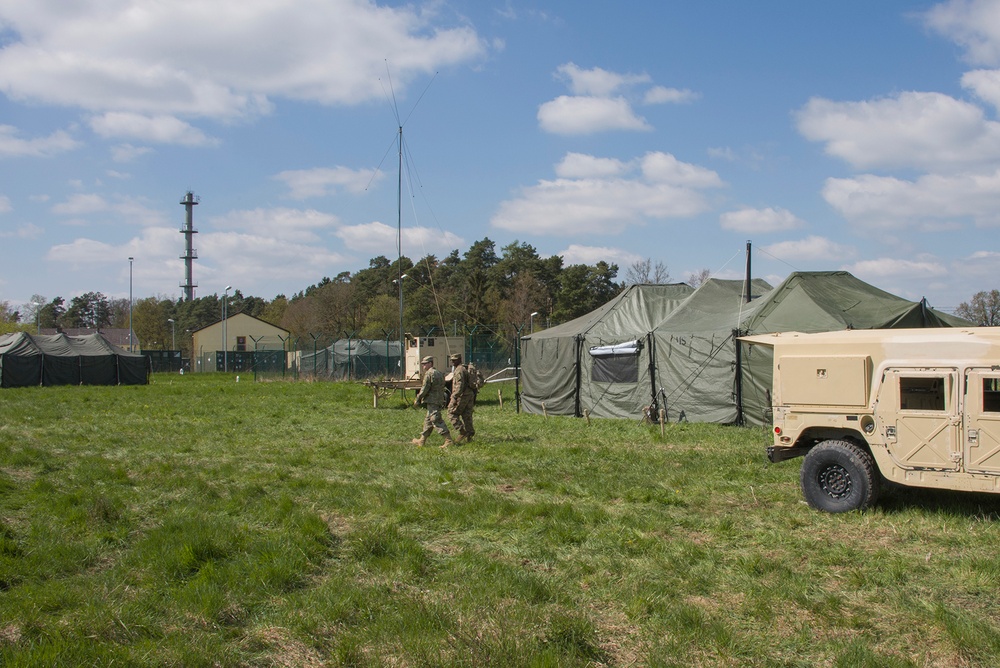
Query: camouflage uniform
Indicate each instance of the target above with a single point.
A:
(431, 395)
(463, 400)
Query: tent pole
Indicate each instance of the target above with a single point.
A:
(652, 370)
(579, 365)
(747, 296)
(739, 378)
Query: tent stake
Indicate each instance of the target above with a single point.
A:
(663, 419)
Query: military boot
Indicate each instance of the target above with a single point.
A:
(447, 442)
(419, 441)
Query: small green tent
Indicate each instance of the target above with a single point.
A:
(347, 359)
(560, 376)
(58, 359)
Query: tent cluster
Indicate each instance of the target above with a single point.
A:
(676, 349)
(346, 359)
(59, 359)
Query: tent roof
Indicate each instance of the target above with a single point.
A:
(717, 305)
(831, 300)
(634, 311)
(59, 345)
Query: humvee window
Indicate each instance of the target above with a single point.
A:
(991, 395)
(921, 394)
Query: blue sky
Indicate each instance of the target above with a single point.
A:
(850, 135)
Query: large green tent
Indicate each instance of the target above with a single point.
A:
(57, 359)
(687, 360)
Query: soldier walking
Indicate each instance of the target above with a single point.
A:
(463, 400)
(431, 395)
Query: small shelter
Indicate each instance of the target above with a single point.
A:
(58, 359)
(561, 376)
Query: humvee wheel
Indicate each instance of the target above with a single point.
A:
(838, 476)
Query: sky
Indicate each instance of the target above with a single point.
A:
(850, 135)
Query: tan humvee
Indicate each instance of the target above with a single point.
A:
(919, 407)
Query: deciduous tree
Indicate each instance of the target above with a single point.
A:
(983, 309)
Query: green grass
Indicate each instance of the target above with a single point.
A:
(199, 521)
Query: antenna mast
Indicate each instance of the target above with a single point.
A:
(399, 259)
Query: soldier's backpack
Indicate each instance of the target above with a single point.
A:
(476, 379)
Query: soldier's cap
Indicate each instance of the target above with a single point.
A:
(455, 357)
(427, 360)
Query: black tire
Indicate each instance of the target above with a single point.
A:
(838, 476)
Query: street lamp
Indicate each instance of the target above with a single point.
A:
(173, 339)
(225, 334)
(531, 322)
(130, 348)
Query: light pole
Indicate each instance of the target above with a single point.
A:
(130, 349)
(531, 322)
(173, 339)
(225, 334)
(38, 319)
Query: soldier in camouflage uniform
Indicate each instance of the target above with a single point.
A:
(463, 400)
(431, 395)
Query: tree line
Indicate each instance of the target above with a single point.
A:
(483, 287)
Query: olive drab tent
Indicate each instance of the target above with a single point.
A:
(57, 359)
(689, 363)
(573, 367)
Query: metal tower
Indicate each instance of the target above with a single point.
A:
(190, 254)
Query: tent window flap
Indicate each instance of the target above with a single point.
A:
(617, 363)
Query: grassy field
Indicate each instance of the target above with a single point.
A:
(200, 521)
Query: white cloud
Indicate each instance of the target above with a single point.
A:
(580, 165)
(654, 187)
(590, 255)
(305, 183)
(81, 204)
(5, 205)
(885, 268)
(224, 59)
(23, 231)
(158, 129)
(129, 210)
(927, 131)
(602, 100)
(13, 146)
(295, 225)
(597, 81)
(973, 24)
(664, 95)
(984, 84)
(760, 221)
(810, 248)
(660, 167)
(377, 237)
(931, 202)
(128, 152)
(567, 115)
